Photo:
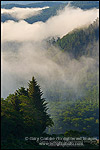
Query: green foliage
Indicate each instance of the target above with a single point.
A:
(77, 41)
(24, 113)
(72, 133)
(35, 94)
(80, 115)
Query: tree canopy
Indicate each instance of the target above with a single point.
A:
(24, 113)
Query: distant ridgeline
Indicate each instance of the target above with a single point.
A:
(46, 13)
(80, 41)
(85, 4)
(32, 5)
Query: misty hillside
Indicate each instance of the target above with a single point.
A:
(46, 13)
(49, 73)
(80, 41)
(79, 44)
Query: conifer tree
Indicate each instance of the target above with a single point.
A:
(22, 91)
(35, 94)
(24, 113)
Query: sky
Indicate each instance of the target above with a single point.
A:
(24, 2)
(19, 2)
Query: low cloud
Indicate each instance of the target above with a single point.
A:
(22, 13)
(59, 25)
(54, 70)
(25, 53)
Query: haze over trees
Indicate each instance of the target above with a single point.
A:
(79, 113)
(66, 69)
(24, 113)
(85, 43)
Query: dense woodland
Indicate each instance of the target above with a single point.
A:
(27, 114)
(84, 45)
(79, 113)
(24, 113)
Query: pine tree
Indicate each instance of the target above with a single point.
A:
(24, 113)
(22, 91)
(35, 94)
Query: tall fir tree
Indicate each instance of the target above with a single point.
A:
(35, 94)
(24, 113)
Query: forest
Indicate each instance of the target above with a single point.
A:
(26, 113)
(86, 37)
(50, 80)
(79, 113)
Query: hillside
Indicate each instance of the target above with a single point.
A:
(80, 41)
(46, 14)
(75, 112)
(50, 75)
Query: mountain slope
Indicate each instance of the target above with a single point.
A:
(80, 41)
(72, 112)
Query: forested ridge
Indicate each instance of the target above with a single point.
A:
(25, 112)
(69, 107)
(79, 113)
(80, 41)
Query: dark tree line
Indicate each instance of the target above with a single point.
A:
(24, 113)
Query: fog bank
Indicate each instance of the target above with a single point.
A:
(22, 13)
(25, 53)
(65, 21)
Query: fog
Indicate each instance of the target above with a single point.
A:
(53, 69)
(25, 53)
(65, 21)
(22, 13)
